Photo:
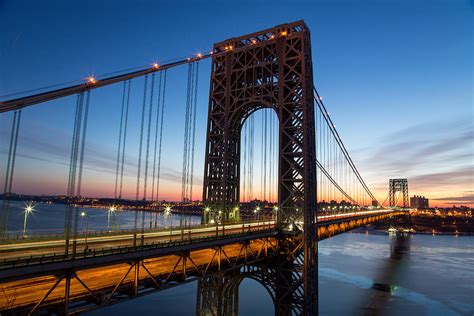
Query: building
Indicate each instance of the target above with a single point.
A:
(419, 202)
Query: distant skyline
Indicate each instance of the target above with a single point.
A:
(397, 77)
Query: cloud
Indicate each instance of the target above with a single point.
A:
(465, 199)
(459, 175)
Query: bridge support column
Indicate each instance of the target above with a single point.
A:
(67, 292)
(215, 296)
(136, 278)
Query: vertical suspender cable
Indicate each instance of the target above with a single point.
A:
(186, 137)
(81, 162)
(140, 160)
(120, 139)
(156, 136)
(10, 171)
(84, 133)
(124, 138)
(161, 138)
(6, 198)
(196, 74)
(141, 138)
(150, 112)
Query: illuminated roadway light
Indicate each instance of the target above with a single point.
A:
(284, 33)
(91, 80)
(254, 42)
(155, 66)
(272, 36)
(199, 55)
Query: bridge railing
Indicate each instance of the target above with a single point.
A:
(99, 252)
(13, 239)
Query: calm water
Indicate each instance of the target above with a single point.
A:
(436, 277)
(49, 218)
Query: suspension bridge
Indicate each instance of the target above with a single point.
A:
(258, 221)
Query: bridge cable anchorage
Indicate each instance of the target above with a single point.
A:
(7, 191)
(122, 163)
(119, 146)
(333, 130)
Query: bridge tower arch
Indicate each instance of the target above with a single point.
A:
(271, 68)
(266, 69)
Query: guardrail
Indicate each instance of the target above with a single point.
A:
(101, 233)
(96, 252)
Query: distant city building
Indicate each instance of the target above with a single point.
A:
(419, 202)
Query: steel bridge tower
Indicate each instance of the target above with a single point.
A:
(269, 69)
(398, 185)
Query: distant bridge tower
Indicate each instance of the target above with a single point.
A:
(398, 185)
(269, 69)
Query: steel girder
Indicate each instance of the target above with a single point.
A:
(267, 69)
(398, 185)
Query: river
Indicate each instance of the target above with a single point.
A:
(434, 277)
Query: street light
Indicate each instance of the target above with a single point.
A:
(84, 215)
(109, 211)
(256, 211)
(168, 212)
(275, 212)
(29, 208)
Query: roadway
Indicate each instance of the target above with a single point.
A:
(26, 249)
(37, 248)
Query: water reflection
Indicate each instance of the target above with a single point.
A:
(350, 264)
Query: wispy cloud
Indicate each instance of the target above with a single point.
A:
(435, 156)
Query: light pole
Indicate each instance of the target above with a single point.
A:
(168, 213)
(28, 209)
(256, 211)
(110, 211)
(275, 213)
(84, 215)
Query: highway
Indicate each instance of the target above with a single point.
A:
(24, 249)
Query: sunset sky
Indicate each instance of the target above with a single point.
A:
(397, 77)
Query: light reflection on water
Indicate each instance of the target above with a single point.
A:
(349, 265)
(49, 218)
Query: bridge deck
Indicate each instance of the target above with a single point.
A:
(103, 273)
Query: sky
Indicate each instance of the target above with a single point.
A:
(396, 76)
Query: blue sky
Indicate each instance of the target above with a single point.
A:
(397, 77)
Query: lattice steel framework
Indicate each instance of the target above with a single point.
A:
(398, 185)
(269, 69)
